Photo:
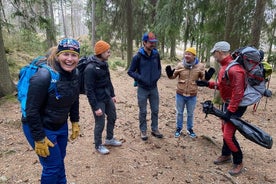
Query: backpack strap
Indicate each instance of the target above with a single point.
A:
(226, 73)
(54, 79)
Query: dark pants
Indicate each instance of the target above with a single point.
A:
(230, 143)
(143, 95)
(109, 110)
(53, 170)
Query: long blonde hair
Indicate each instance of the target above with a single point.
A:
(52, 56)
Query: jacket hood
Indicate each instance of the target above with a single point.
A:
(142, 51)
(96, 60)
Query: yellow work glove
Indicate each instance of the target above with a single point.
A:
(75, 130)
(42, 147)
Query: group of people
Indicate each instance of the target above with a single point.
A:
(46, 127)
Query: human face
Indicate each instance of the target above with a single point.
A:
(68, 61)
(149, 46)
(217, 55)
(189, 57)
(106, 55)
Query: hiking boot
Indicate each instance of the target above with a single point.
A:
(157, 134)
(222, 159)
(112, 142)
(102, 150)
(191, 133)
(144, 136)
(177, 133)
(237, 169)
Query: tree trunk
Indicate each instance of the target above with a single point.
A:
(172, 52)
(63, 18)
(93, 21)
(72, 20)
(4, 15)
(50, 30)
(231, 35)
(257, 22)
(6, 84)
(129, 21)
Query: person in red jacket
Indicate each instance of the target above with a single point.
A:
(231, 91)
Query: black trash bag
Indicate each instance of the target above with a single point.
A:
(249, 131)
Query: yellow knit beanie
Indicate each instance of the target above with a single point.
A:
(100, 47)
(191, 50)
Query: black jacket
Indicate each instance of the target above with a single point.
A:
(97, 81)
(43, 109)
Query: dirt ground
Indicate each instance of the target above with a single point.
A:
(167, 160)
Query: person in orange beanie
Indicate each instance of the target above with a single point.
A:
(101, 96)
(101, 47)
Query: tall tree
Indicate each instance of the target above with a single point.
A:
(63, 17)
(6, 84)
(169, 20)
(72, 18)
(50, 27)
(258, 20)
(231, 33)
(129, 24)
(93, 25)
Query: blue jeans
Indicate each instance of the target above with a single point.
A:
(109, 111)
(181, 102)
(53, 166)
(143, 95)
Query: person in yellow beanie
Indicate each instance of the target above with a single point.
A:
(188, 71)
(101, 96)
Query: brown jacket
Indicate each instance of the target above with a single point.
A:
(187, 77)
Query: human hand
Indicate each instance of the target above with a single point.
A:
(268, 93)
(169, 71)
(202, 83)
(209, 73)
(99, 112)
(114, 99)
(75, 130)
(42, 147)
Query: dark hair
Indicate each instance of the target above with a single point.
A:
(99, 56)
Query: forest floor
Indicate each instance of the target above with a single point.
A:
(167, 160)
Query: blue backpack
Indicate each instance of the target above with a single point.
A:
(25, 75)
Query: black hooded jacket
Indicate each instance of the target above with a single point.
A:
(43, 109)
(97, 81)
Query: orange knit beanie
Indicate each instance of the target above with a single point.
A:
(100, 47)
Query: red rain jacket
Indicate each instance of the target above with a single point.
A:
(232, 89)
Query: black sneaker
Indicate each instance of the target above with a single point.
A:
(157, 134)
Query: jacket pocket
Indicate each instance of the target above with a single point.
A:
(182, 85)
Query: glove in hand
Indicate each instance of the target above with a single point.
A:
(42, 147)
(209, 73)
(75, 130)
(227, 115)
(202, 83)
(268, 93)
(169, 71)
